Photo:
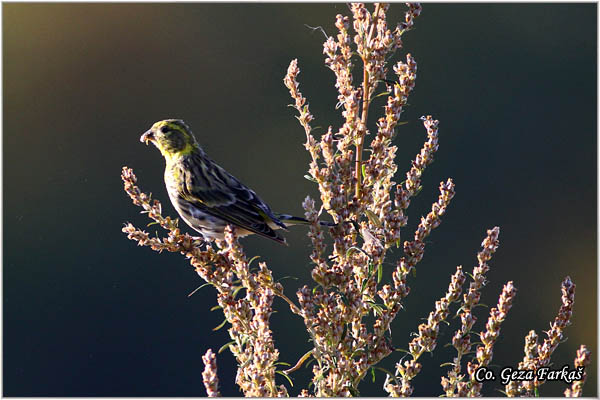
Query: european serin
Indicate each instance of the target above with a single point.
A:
(206, 196)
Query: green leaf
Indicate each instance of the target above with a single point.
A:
(215, 307)
(310, 178)
(364, 285)
(283, 363)
(376, 96)
(379, 272)
(235, 292)
(377, 309)
(364, 172)
(287, 277)
(373, 374)
(198, 288)
(252, 259)
(387, 373)
(225, 346)
(222, 324)
(152, 223)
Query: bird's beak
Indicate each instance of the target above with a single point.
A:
(148, 136)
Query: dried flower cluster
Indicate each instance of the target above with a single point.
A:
(227, 270)
(582, 360)
(348, 316)
(357, 193)
(488, 338)
(538, 355)
(515, 388)
(209, 376)
(454, 383)
(426, 340)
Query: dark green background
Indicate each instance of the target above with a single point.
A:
(87, 313)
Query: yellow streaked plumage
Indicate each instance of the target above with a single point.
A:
(206, 196)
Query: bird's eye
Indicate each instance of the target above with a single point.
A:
(164, 129)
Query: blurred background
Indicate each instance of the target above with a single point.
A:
(87, 313)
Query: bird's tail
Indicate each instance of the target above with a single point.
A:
(290, 220)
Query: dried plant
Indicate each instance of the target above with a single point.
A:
(538, 355)
(357, 189)
(581, 361)
(209, 376)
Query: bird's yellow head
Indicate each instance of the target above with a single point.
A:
(172, 137)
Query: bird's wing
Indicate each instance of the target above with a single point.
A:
(217, 192)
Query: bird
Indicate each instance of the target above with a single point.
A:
(207, 197)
